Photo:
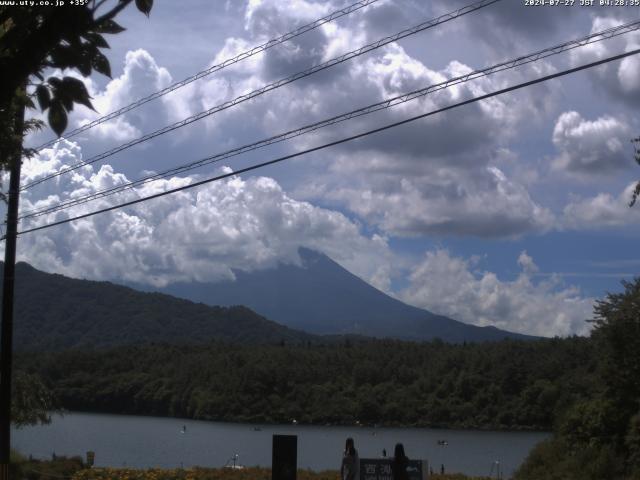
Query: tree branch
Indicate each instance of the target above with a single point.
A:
(113, 12)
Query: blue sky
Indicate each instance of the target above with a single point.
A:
(509, 212)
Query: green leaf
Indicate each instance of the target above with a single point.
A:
(44, 98)
(64, 57)
(100, 64)
(59, 93)
(76, 91)
(57, 118)
(55, 82)
(109, 26)
(66, 102)
(96, 39)
(144, 6)
(84, 65)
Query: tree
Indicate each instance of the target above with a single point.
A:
(636, 191)
(35, 40)
(617, 329)
(599, 437)
(32, 401)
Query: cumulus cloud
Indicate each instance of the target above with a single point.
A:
(195, 235)
(445, 200)
(457, 196)
(615, 78)
(508, 27)
(446, 175)
(389, 71)
(526, 263)
(460, 144)
(435, 175)
(452, 286)
(591, 148)
(141, 77)
(601, 210)
(269, 18)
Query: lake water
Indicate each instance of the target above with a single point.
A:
(135, 441)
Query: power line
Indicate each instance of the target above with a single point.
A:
(272, 86)
(388, 103)
(338, 142)
(231, 61)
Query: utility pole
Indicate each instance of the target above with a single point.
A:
(6, 331)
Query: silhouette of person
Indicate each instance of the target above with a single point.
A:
(442, 469)
(399, 463)
(384, 452)
(350, 468)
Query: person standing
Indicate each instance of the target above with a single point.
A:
(350, 468)
(399, 463)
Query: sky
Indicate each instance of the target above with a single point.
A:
(512, 211)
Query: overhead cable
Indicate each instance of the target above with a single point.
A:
(226, 63)
(337, 142)
(271, 86)
(388, 103)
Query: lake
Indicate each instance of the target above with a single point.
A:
(135, 441)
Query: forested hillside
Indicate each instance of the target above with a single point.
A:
(506, 385)
(54, 312)
(598, 437)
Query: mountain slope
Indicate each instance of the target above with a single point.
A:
(54, 312)
(321, 297)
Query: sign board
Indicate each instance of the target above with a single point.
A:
(284, 460)
(380, 469)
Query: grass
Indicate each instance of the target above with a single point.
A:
(30, 469)
(74, 469)
(198, 473)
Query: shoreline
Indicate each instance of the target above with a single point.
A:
(150, 441)
(314, 425)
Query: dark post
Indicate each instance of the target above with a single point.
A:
(6, 333)
(284, 459)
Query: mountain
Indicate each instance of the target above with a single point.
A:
(54, 312)
(323, 298)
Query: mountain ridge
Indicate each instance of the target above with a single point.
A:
(318, 302)
(54, 312)
(323, 298)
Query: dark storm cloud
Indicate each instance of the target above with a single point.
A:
(510, 26)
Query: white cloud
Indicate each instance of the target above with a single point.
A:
(457, 147)
(141, 77)
(451, 286)
(201, 234)
(509, 26)
(601, 210)
(455, 200)
(268, 18)
(591, 148)
(526, 263)
(361, 81)
(408, 201)
(616, 78)
(451, 174)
